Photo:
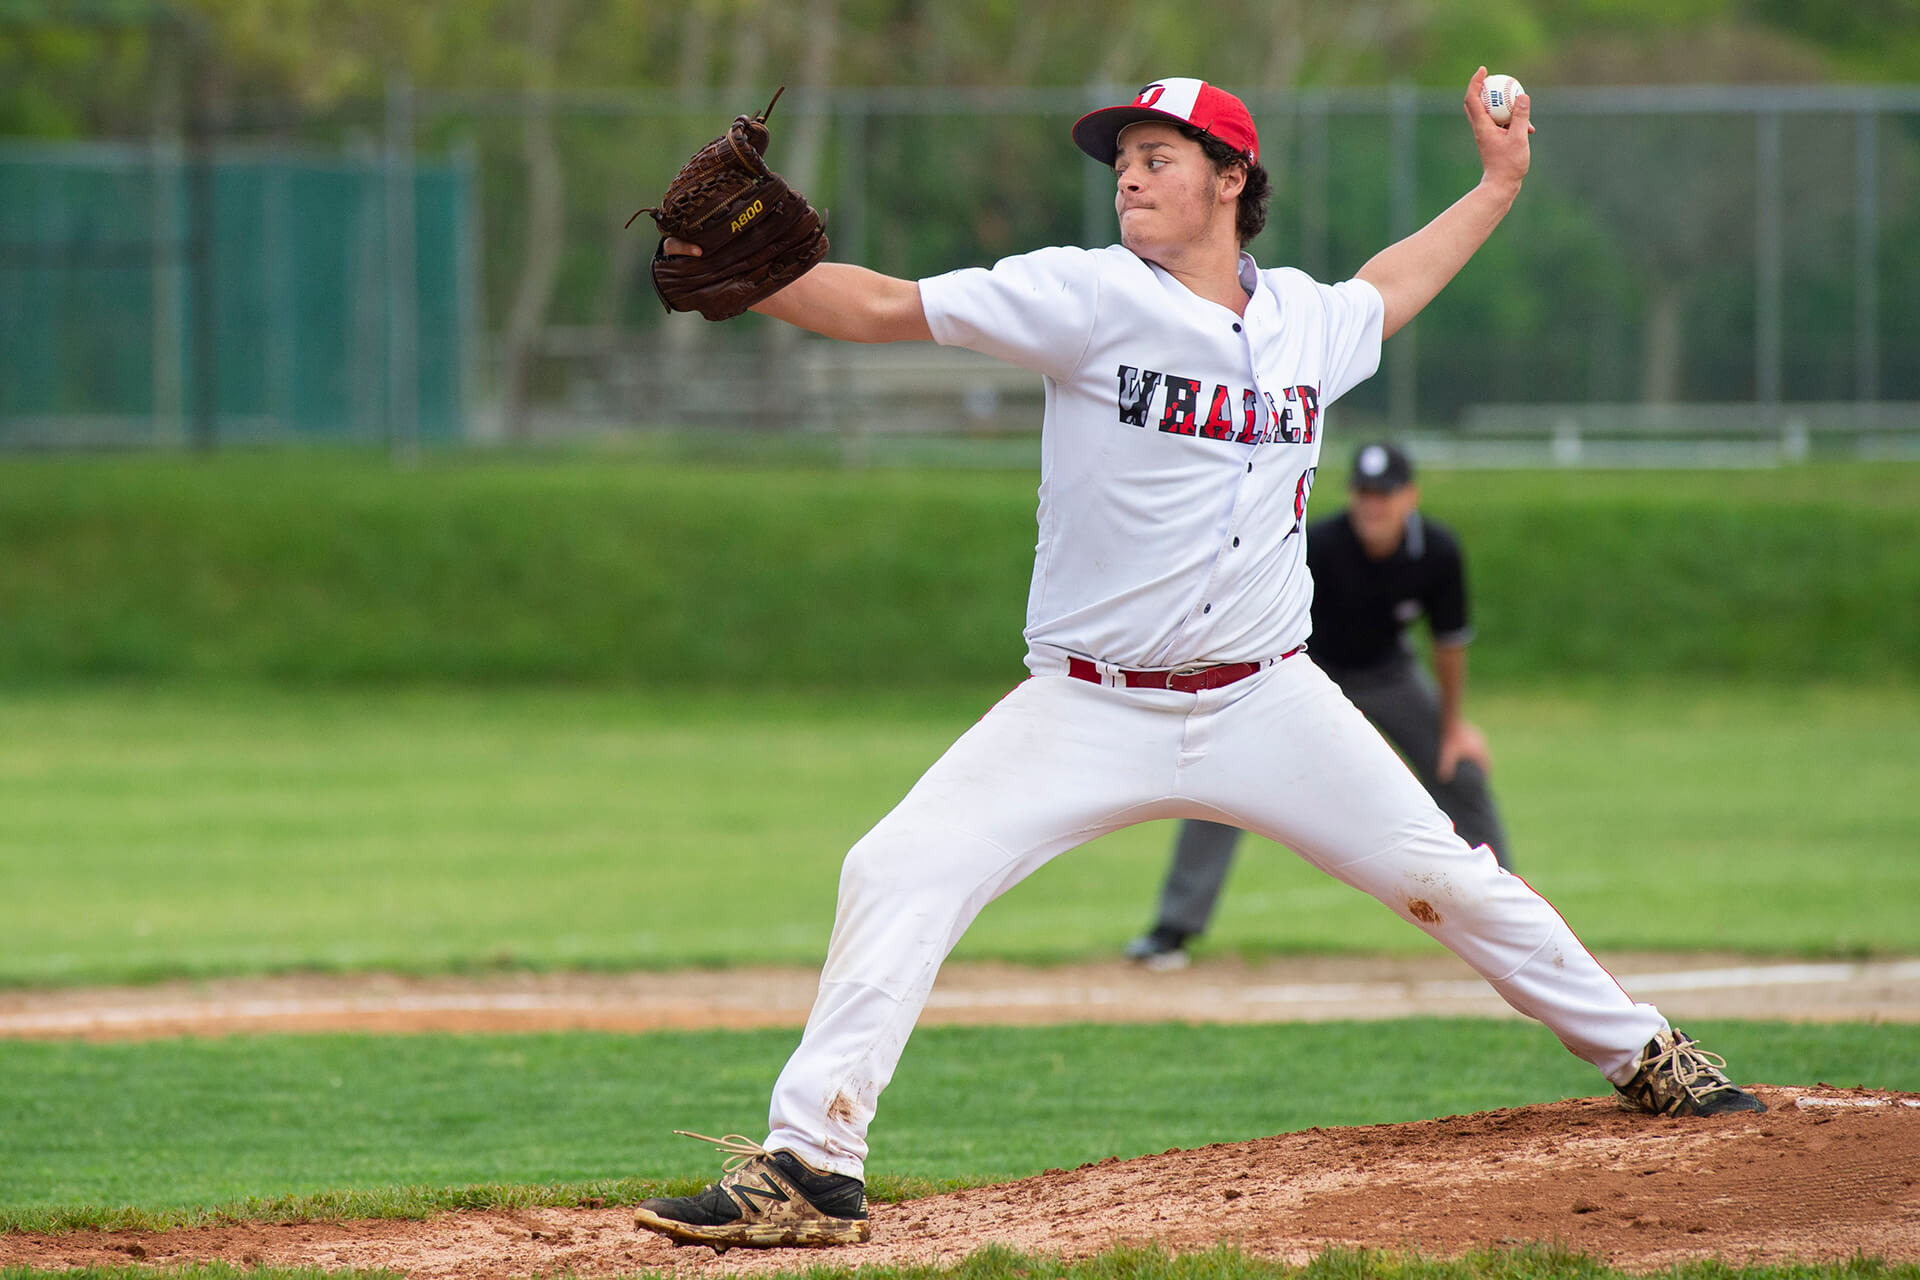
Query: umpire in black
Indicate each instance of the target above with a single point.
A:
(1377, 566)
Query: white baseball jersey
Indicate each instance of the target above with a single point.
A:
(1178, 448)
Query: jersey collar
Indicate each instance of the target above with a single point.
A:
(1249, 273)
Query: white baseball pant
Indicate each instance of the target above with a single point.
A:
(1061, 761)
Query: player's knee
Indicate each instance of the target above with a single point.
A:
(898, 861)
(1450, 885)
(874, 866)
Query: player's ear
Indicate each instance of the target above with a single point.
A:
(1233, 180)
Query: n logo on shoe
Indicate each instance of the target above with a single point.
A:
(771, 1191)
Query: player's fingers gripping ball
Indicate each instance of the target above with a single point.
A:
(1497, 94)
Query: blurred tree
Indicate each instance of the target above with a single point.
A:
(1862, 39)
(88, 72)
(325, 52)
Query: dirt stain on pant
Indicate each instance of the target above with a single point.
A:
(1422, 910)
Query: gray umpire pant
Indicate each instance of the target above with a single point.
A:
(1404, 704)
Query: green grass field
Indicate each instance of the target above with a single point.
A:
(278, 1126)
(274, 711)
(229, 831)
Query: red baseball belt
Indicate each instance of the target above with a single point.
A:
(1179, 679)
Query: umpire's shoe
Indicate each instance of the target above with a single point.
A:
(1679, 1078)
(1163, 950)
(764, 1199)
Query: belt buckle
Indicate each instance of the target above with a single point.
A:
(1188, 671)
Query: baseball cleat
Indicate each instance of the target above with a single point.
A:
(1679, 1078)
(1162, 950)
(764, 1200)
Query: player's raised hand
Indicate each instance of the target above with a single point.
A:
(1505, 150)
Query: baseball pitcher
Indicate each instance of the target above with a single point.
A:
(1186, 389)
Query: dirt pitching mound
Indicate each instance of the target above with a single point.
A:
(1824, 1174)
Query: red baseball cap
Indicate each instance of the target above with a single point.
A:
(1195, 102)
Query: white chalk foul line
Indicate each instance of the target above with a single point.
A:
(53, 1021)
(1314, 993)
(1772, 976)
(79, 1021)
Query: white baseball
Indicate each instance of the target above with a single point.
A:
(1498, 93)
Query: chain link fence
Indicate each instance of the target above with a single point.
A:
(327, 289)
(1719, 265)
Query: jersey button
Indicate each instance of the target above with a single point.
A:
(1236, 328)
(1236, 542)
(1207, 609)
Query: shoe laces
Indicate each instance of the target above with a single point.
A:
(1688, 1065)
(741, 1150)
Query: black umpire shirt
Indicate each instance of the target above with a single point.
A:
(1362, 607)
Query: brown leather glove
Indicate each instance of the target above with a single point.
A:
(756, 234)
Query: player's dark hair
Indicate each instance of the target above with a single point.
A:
(1252, 216)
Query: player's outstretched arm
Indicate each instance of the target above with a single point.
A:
(1410, 273)
(851, 303)
(843, 301)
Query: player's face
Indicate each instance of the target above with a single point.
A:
(1169, 194)
(1380, 519)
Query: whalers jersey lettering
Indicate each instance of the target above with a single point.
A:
(1178, 446)
(1181, 399)
(1136, 394)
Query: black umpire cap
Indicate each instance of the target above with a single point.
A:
(1381, 468)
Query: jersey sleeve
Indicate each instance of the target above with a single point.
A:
(1447, 595)
(1356, 314)
(1035, 310)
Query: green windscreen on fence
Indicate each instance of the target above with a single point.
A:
(335, 310)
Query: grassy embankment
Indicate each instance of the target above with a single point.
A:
(320, 568)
